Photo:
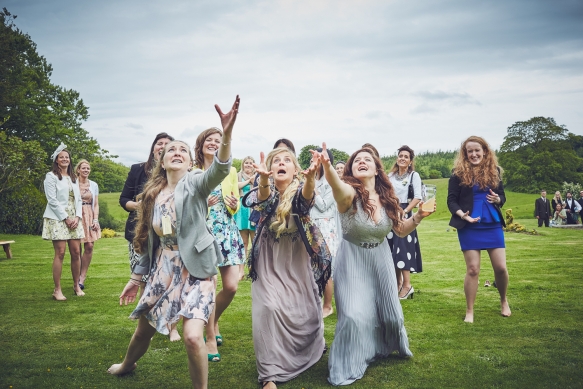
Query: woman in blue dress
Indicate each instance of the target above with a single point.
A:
(475, 195)
(245, 178)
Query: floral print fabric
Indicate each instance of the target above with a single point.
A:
(224, 229)
(171, 291)
(57, 229)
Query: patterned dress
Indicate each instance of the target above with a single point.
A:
(242, 215)
(57, 229)
(370, 318)
(224, 229)
(171, 291)
(91, 235)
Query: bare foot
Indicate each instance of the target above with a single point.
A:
(469, 317)
(116, 369)
(59, 296)
(327, 312)
(174, 335)
(78, 291)
(505, 309)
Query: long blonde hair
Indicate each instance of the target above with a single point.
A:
(285, 200)
(157, 181)
(486, 174)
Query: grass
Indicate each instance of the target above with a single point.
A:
(48, 344)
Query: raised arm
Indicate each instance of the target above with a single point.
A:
(343, 193)
(310, 176)
(263, 183)
(227, 121)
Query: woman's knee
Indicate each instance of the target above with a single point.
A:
(193, 341)
(473, 271)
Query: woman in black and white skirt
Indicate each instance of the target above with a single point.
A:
(406, 251)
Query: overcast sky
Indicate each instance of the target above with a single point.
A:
(423, 73)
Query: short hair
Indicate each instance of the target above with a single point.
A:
(286, 142)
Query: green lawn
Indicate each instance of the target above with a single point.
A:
(48, 344)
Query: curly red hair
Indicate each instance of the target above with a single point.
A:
(486, 174)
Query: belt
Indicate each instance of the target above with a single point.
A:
(84, 203)
(366, 245)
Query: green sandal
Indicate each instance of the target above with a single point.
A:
(219, 339)
(214, 357)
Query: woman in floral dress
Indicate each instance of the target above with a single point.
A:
(62, 219)
(178, 252)
(246, 178)
(223, 203)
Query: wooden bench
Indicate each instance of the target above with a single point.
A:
(6, 245)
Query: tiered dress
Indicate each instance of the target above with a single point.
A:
(171, 291)
(370, 318)
(242, 215)
(224, 229)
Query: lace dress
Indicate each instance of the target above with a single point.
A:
(370, 319)
(171, 291)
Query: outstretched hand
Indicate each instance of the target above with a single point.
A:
(324, 158)
(310, 172)
(129, 293)
(228, 119)
(261, 167)
(470, 219)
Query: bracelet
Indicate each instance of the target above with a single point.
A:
(95, 220)
(134, 282)
(263, 186)
(226, 144)
(414, 221)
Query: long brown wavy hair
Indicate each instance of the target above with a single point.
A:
(486, 174)
(198, 154)
(383, 187)
(152, 188)
(411, 167)
(149, 165)
(57, 170)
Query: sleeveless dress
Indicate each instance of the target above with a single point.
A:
(242, 215)
(370, 318)
(57, 229)
(487, 233)
(91, 235)
(223, 227)
(171, 291)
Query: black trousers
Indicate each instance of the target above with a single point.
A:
(541, 220)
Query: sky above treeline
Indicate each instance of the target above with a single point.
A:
(423, 73)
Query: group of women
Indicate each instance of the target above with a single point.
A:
(349, 220)
(71, 218)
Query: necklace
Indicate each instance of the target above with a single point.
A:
(401, 177)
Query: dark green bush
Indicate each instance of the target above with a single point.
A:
(106, 220)
(21, 210)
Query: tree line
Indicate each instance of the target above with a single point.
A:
(36, 115)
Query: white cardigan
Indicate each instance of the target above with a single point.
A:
(57, 193)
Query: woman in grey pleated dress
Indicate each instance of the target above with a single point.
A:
(370, 319)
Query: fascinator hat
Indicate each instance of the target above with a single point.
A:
(58, 150)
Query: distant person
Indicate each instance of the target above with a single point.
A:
(223, 204)
(340, 168)
(406, 250)
(571, 207)
(178, 252)
(283, 142)
(371, 147)
(474, 198)
(542, 209)
(246, 178)
(62, 218)
(90, 198)
(557, 200)
(580, 201)
(130, 196)
(559, 217)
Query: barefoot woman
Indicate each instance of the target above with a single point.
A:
(178, 252)
(475, 195)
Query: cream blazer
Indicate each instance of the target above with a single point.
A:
(57, 193)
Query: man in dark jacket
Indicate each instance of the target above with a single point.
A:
(542, 209)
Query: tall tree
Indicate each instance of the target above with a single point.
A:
(539, 154)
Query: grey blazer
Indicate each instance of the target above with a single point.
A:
(199, 250)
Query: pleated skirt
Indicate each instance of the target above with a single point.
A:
(370, 318)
